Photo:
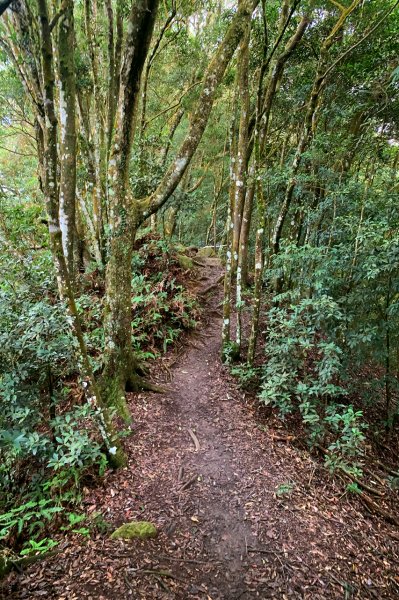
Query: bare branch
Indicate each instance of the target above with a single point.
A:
(338, 5)
(58, 15)
(200, 115)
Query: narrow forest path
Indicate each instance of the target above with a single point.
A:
(241, 514)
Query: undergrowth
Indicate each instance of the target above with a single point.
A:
(303, 373)
(50, 446)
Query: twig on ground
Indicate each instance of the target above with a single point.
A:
(185, 560)
(195, 440)
(189, 482)
(264, 551)
(199, 263)
(282, 438)
(162, 583)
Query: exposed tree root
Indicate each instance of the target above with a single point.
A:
(374, 508)
(152, 387)
(211, 287)
(360, 483)
(8, 564)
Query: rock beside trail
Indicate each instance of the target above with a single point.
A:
(185, 262)
(206, 252)
(141, 530)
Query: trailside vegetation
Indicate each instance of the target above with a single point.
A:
(133, 133)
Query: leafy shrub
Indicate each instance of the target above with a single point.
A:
(47, 439)
(162, 306)
(302, 374)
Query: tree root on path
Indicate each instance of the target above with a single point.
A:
(211, 287)
(147, 386)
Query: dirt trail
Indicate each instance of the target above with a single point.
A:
(240, 516)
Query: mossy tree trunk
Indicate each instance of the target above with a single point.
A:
(240, 180)
(263, 111)
(127, 213)
(66, 93)
(120, 368)
(52, 191)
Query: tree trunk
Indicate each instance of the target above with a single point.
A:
(126, 214)
(309, 125)
(244, 234)
(51, 191)
(66, 41)
(120, 367)
(240, 179)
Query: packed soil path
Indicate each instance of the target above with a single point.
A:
(241, 512)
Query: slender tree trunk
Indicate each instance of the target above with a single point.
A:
(51, 191)
(228, 276)
(263, 110)
(120, 368)
(240, 180)
(309, 126)
(66, 41)
(245, 232)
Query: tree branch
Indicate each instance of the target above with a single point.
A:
(365, 36)
(213, 77)
(58, 15)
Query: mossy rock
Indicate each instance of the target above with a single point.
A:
(206, 252)
(141, 530)
(184, 261)
(179, 248)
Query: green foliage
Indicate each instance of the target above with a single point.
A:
(48, 441)
(230, 352)
(39, 547)
(302, 373)
(31, 514)
(285, 489)
(246, 375)
(353, 488)
(163, 308)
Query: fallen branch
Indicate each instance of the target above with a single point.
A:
(189, 482)
(192, 561)
(198, 262)
(195, 440)
(388, 469)
(374, 508)
(282, 438)
(263, 551)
